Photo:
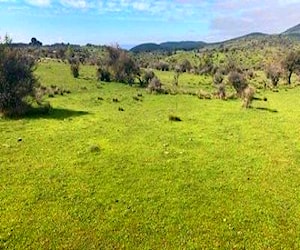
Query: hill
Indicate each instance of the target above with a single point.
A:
(293, 32)
(168, 46)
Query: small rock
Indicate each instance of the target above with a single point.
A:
(95, 149)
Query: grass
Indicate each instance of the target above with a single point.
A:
(223, 177)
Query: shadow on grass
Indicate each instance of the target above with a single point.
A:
(267, 109)
(54, 113)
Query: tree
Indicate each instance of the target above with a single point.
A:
(273, 72)
(16, 81)
(291, 63)
(122, 67)
(206, 64)
(238, 82)
(35, 42)
(185, 65)
(7, 39)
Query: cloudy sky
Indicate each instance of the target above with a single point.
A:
(137, 21)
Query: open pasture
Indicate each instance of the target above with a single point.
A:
(104, 174)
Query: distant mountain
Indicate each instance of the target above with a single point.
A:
(146, 47)
(168, 46)
(190, 45)
(184, 45)
(293, 30)
(253, 35)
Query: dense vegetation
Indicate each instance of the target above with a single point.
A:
(17, 81)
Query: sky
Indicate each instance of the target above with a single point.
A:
(131, 22)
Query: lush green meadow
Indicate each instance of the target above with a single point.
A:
(89, 176)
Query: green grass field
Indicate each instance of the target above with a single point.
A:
(89, 176)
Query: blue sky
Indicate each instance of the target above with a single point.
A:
(137, 21)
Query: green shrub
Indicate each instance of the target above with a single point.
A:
(146, 78)
(122, 67)
(238, 81)
(75, 69)
(155, 86)
(273, 72)
(218, 81)
(103, 75)
(17, 82)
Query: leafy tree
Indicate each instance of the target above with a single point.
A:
(238, 81)
(206, 64)
(185, 65)
(291, 63)
(122, 67)
(17, 81)
(35, 42)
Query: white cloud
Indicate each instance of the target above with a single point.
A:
(41, 3)
(233, 18)
(78, 4)
(142, 6)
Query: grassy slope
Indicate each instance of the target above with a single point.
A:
(223, 177)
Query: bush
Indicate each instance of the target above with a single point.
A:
(161, 65)
(75, 69)
(273, 72)
(185, 66)
(218, 81)
(17, 81)
(103, 75)
(238, 81)
(291, 64)
(122, 67)
(155, 85)
(146, 78)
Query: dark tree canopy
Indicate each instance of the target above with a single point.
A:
(16, 81)
(35, 42)
(238, 81)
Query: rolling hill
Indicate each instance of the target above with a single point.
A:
(293, 32)
(168, 46)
